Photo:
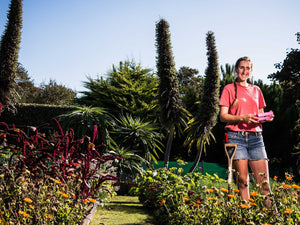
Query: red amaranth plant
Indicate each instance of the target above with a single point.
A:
(73, 162)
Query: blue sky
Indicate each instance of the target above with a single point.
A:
(67, 40)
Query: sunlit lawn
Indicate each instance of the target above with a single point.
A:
(123, 210)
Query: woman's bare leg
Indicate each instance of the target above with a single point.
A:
(260, 171)
(242, 173)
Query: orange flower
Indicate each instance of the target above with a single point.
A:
(231, 196)
(244, 206)
(162, 202)
(253, 193)
(288, 177)
(49, 216)
(286, 186)
(196, 205)
(31, 206)
(275, 178)
(253, 203)
(288, 211)
(65, 195)
(27, 200)
(186, 199)
(91, 200)
(251, 200)
(236, 190)
(295, 186)
(23, 213)
(57, 181)
(294, 201)
(224, 190)
(210, 190)
(2, 213)
(84, 200)
(73, 175)
(208, 199)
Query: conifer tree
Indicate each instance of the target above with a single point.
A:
(201, 125)
(9, 49)
(172, 114)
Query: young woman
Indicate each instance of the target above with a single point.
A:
(240, 103)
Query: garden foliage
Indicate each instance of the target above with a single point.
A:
(51, 181)
(203, 199)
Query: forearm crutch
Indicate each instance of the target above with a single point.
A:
(230, 159)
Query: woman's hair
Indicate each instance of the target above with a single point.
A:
(245, 58)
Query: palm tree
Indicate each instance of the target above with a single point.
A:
(137, 135)
(83, 119)
(172, 114)
(199, 131)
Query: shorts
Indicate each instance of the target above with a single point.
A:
(250, 145)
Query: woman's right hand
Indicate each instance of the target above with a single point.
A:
(249, 118)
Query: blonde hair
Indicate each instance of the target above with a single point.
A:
(245, 58)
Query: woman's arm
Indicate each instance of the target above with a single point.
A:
(228, 118)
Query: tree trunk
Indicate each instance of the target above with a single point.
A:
(168, 148)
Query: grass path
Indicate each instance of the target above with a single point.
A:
(123, 210)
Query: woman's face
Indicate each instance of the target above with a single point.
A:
(244, 70)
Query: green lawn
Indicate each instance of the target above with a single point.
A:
(123, 210)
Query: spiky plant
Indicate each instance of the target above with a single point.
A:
(9, 49)
(172, 114)
(199, 131)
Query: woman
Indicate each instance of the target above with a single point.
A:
(240, 103)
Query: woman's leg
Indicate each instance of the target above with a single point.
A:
(242, 173)
(260, 171)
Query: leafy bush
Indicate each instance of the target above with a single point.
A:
(49, 181)
(204, 199)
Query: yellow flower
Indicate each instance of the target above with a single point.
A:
(28, 200)
(231, 196)
(91, 145)
(57, 181)
(92, 200)
(236, 190)
(73, 175)
(244, 206)
(224, 190)
(288, 211)
(253, 193)
(162, 202)
(31, 206)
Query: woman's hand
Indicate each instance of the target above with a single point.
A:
(249, 118)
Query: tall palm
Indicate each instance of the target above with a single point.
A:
(139, 136)
(199, 131)
(172, 114)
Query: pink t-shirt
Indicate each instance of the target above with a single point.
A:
(250, 100)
